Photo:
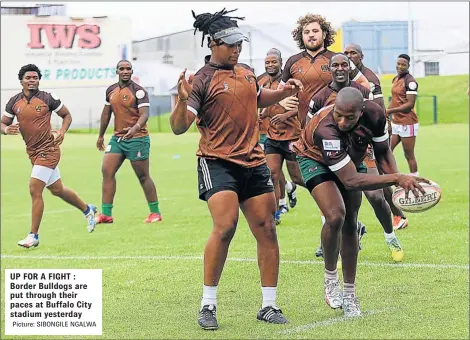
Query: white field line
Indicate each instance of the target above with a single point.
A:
(199, 258)
(331, 321)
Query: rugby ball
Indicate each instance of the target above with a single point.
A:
(418, 204)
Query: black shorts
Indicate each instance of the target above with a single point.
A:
(279, 147)
(219, 175)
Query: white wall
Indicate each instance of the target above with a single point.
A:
(75, 69)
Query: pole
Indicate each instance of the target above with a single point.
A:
(90, 121)
(251, 52)
(410, 38)
(434, 99)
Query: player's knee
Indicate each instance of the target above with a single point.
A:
(225, 233)
(276, 174)
(376, 199)
(409, 155)
(335, 219)
(269, 226)
(56, 190)
(107, 173)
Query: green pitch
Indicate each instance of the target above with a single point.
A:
(152, 274)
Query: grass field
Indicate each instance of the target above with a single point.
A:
(152, 274)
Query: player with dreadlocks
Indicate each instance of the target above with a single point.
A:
(223, 97)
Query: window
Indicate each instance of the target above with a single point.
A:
(431, 68)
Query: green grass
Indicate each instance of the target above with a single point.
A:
(452, 99)
(159, 298)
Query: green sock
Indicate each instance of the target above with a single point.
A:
(107, 209)
(154, 207)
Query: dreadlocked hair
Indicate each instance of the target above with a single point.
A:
(324, 25)
(29, 68)
(209, 24)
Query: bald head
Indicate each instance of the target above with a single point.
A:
(350, 99)
(348, 108)
(274, 52)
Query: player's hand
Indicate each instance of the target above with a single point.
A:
(100, 143)
(411, 183)
(263, 114)
(292, 86)
(290, 103)
(184, 86)
(130, 132)
(59, 137)
(280, 118)
(12, 129)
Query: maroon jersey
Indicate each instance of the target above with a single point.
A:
(374, 82)
(324, 142)
(314, 73)
(401, 86)
(125, 103)
(283, 131)
(224, 99)
(264, 123)
(327, 96)
(34, 115)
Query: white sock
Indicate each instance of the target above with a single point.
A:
(349, 289)
(289, 186)
(282, 201)
(414, 173)
(331, 275)
(269, 296)
(389, 237)
(323, 220)
(209, 296)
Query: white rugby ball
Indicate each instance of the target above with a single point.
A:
(418, 204)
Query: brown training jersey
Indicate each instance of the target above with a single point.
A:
(263, 123)
(327, 96)
(224, 99)
(374, 82)
(322, 140)
(314, 73)
(286, 131)
(125, 103)
(34, 115)
(401, 86)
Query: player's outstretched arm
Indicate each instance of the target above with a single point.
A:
(353, 180)
(181, 118)
(270, 97)
(8, 128)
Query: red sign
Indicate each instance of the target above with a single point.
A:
(63, 36)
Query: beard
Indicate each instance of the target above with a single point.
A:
(314, 48)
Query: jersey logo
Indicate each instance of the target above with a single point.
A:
(18, 109)
(300, 70)
(225, 86)
(38, 108)
(124, 97)
(325, 68)
(140, 94)
(332, 145)
(249, 79)
(412, 85)
(270, 182)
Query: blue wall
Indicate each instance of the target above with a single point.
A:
(381, 42)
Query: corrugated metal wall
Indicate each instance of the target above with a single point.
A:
(381, 42)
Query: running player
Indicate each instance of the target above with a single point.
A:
(354, 52)
(339, 67)
(404, 119)
(283, 129)
(223, 97)
(130, 104)
(330, 152)
(33, 109)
